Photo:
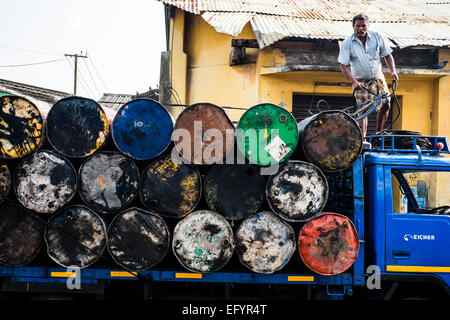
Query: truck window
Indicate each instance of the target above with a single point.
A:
(423, 191)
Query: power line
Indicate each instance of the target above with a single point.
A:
(30, 64)
(30, 51)
(90, 74)
(98, 74)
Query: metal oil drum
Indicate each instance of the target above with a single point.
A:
(44, 182)
(170, 189)
(267, 134)
(21, 235)
(142, 129)
(298, 191)
(236, 191)
(203, 134)
(21, 127)
(108, 181)
(137, 239)
(203, 241)
(331, 140)
(5, 181)
(77, 126)
(75, 236)
(264, 242)
(328, 244)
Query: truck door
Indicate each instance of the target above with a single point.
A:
(418, 220)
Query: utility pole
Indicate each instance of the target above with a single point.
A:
(76, 56)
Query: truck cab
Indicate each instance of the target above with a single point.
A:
(407, 208)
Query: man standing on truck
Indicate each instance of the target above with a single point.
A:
(359, 59)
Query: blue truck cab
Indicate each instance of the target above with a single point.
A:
(397, 194)
(407, 209)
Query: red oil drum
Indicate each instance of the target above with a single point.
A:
(203, 134)
(328, 244)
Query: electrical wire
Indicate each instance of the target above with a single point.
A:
(92, 78)
(30, 51)
(31, 64)
(98, 74)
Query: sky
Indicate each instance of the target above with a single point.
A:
(123, 41)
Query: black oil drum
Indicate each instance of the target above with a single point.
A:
(21, 127)
(75, 236)
(77, 127)
(137, 239)
(44, 182)
(235, 191)
(21, 235)
(203, 241)
(298, 192)
(264, 242)
(5, 181)
(108, 181)
(170, 189)
(331, 140)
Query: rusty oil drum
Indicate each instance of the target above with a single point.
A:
(236, 191)
(21, 127)
(44, 182)
(21, 235)
(203, 134)
(75, 236)
(108, 181)
(264, 242)
(331, 140)
(142, 129)
(328, 244)
(298, 191)
(5, 181)
(77, 127)
(138, 239)
(170, 189)
(203, 241)
(267, 134)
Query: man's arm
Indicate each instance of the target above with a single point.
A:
(391, 64)
(348, 75)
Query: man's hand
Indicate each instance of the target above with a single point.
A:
(394, 76)
(356, 85)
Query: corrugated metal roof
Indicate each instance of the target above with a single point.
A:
(114, 101)
(405, 22)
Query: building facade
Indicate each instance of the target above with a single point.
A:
(237, 55)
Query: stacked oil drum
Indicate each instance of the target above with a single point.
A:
(138, 189)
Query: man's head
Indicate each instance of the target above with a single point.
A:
(360, 24)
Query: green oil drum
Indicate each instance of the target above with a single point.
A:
(267, 134)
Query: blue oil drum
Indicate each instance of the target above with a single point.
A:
(142, 129)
